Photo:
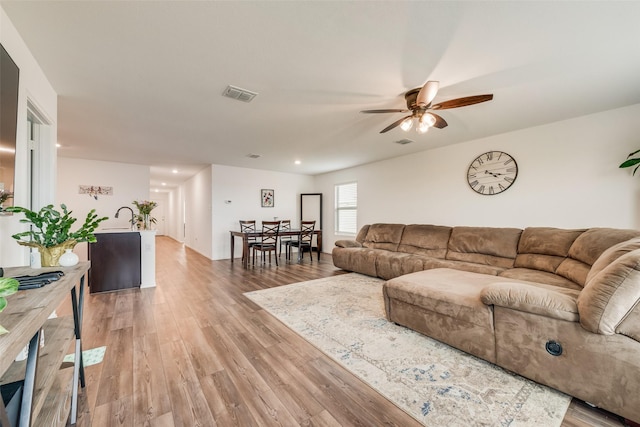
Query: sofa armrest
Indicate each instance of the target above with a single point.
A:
(532, 299)
(348, 244)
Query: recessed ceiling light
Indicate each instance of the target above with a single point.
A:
(164, 183)
(297, 162)
(175, 171)
(58, 145)
(157, 191)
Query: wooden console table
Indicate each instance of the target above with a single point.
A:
(49, 393)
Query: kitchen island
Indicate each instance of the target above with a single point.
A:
(122, 259)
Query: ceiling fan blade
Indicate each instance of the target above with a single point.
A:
(427, 93)
(462, 102)
(394, 124)
(383, 111)
(440, 122)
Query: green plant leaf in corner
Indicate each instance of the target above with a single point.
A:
(631, 161)
(8, 286)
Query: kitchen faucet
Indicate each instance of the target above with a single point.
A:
(133, 222)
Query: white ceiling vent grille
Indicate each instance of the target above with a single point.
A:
(404, 141)
(239, 94)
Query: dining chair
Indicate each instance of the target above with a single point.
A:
(285, 225)
(248, 226)
(269, 240)
(305, 240)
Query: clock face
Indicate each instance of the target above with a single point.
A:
(492, 173)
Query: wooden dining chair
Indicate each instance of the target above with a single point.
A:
(269, 240)
(285, 225)
(248, 226)
(305, 240)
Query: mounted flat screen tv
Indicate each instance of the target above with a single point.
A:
(9, 75)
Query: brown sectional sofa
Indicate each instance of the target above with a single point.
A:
(561, 307)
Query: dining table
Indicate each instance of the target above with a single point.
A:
(245, 235)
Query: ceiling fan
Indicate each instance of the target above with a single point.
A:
(419, 102)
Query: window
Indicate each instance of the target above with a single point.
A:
(346, 208)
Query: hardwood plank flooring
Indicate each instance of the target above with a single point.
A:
(193, 351)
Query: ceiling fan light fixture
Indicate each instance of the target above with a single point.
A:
(422, 127)
(407, 124)
(427, 120)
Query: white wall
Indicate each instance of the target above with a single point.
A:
(161, 212)
(242, 187)
(35, 88)
(197, 218)
(568, 177)
(175, 217)
(130, 182)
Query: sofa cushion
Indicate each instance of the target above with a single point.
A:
(430, 263)
(359, 260)
(448, 292)
(586, 249)
(537, 276)
(612, 254)
(428, 240)
(383, 236)
(393, 264)
(348, 244)
(609, 296)
(544, 248)
(630, 326)
(362, 234)
(484, 245)
(548, 301)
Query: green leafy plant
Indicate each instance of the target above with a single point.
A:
(139, 219)
(8, 286)
(631, 162)
(51, 228)
(145, 207)
(144, 218)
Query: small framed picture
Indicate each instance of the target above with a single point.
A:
(266, 198)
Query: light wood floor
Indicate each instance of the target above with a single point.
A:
(195, 352)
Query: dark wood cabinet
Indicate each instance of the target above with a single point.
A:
(115, 262)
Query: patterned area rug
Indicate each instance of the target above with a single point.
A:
(89, 357)
(343, 316)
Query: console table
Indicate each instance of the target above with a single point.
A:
(49, 393)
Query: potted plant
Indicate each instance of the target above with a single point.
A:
(144, 218)
(632, 161)
(8, 286)
(51, 231)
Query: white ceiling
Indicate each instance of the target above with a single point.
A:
(141, 81)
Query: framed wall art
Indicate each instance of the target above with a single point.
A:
(266, 198)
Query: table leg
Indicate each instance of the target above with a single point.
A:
(233, 242)
(245, 251)
(319, 245)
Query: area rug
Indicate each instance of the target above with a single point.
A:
(90, 357)
(343, 316)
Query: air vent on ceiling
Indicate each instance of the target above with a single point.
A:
(239, 93)
(253, 156)
(404, 141)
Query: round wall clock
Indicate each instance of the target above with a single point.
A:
(492, 173)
